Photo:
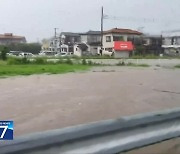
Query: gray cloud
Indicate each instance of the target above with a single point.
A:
(36, 18)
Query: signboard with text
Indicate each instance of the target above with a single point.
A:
(123, 46)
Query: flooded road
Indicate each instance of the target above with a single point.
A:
(43, 102)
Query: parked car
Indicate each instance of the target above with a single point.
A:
(26, 54)
(14, 53)
(47, 53)
(107, 52)
(63, 54)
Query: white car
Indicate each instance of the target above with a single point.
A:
(62, 54)
(14, 53)
(107, 53)
(26, 54)
(47, 53)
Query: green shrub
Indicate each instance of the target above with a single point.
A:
(84, 62)
(3, 53)
(177, 66)
(151, 56)
(69, 61)
(40, 61)
(90, 62)
(148, 56)
(25, 61)
(12, 61)
(120, 64)
(137, 65)
(60, 61)
(143, 65)
(17, 61)
(76, 57)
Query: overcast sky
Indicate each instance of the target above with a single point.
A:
(36, 19)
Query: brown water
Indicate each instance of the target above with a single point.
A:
(43, 102)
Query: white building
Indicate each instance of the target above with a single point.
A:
(55, 45)
(117, 34)
(93, 40)
(171, 42)
(81, 49)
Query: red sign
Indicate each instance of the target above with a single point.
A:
(123, 46)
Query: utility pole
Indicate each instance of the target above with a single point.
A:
(102, 17)
(60, 41)
(55, 30)
(55, 39)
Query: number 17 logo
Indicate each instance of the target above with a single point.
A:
(6, 130)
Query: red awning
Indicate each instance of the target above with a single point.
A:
(123, 46)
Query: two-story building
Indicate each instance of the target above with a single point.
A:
(117, 34)
(152, 44)
(56, 45)
(93, 41)
(9, 38)
(70, 39)
(171, 42)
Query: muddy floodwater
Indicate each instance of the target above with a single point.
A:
(43, 102)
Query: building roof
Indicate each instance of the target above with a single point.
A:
(122, 31)
(70, 34)
(82, 46)
(174, 33)
(152, 36)
(10, 36)
(91, 32)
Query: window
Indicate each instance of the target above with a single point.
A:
(108, 49)
(65, 49)
(118, 38)
(92, 39)
(108, 38)
(174, 41)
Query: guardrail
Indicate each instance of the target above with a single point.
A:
(110, 136)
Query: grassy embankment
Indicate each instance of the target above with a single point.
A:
(147, 56)
(20, 67)
(177, 66)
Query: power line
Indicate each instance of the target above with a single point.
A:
(134, 19)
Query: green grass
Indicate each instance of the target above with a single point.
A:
(132, 65)
(177, 66)
(151, 56)
(137, 65)
(141, 65)
(12, 70)
(2, 62)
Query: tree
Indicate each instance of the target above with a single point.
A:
(140, 50)
(3, 53)
(34, 48)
